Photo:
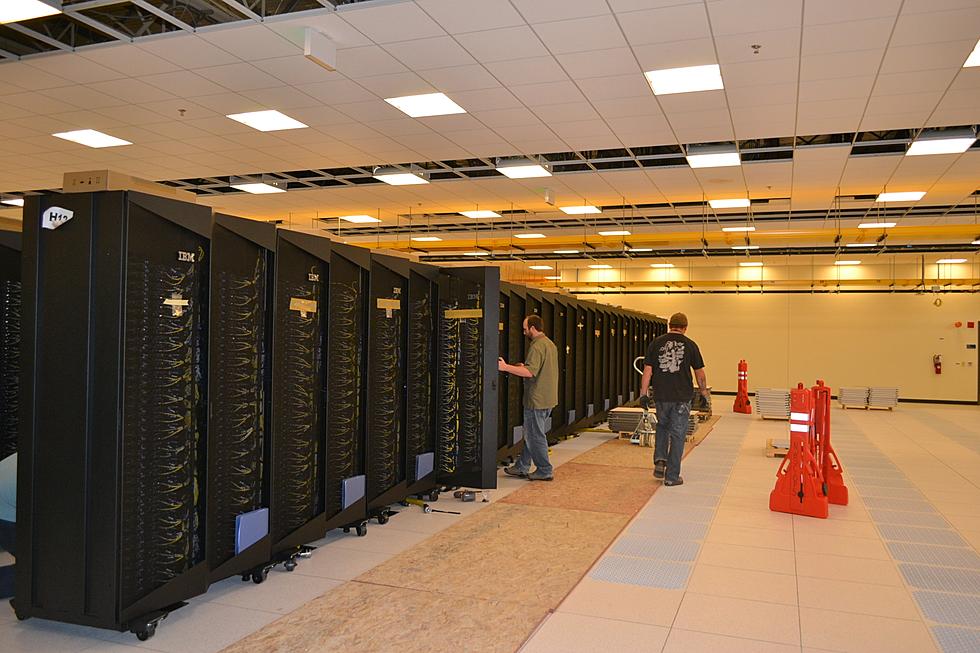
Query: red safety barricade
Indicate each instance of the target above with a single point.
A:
(742, 404)
(833, 471)
(799, 481)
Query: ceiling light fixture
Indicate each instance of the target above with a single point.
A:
(426, 239)
(359, 219)
(745, 247)
(951, 260)
(476, 253)
(91, 138)
(689, 79)
(522, 168)
(974, 59)
(661, 265)
(876, 225)
(262, 186)
(476, 215)
(541, 267)
(580, 210)
(734, 203)
(847, 262)
(751, 264)
(13, 201)
(905, 196)
(616, 232)
(399, 177)
(423, 106)
(639, 249)
(861, 245)
(12, 11)
(713, 156)
(737, 229)
(942, 141)
(976, 242)
(528, 235)
(566, 251)
(554, 277)
(267, 121)
(601, 266)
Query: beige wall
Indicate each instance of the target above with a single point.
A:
(845, 339)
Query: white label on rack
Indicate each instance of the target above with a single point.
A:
(55, 217)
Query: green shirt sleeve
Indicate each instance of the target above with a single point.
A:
(8, 488)
(535, 358)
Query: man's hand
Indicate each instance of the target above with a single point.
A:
(705, 393)
(645, 402)
(501, 365)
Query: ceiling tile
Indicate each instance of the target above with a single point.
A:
(82, 97)
(907, 103)
(396, 85)
(131, 90)
(550, 93)
(368, 111)
(77, 69)
(836, 89)
(852, 35)
(338, 91)
(686, 102)
(19, 74)
(537, 70)
(645, 107)
(452, 123)
(423, 54)
(129, 114)
(251, 42)
(281, 98)
(183, 83)
(737, 16)
(187, 51)
(642, 131)
(460, 78)
(507, 117)
(542, 11)
(759, 73)
(388, 23)
(295, 70)
(503, 44)
(683, 22)
(744, 97)
(525, 132)
(129, 59)
(764, 121)
(923, 81)
(367, 61)
(614, 88)
(829, 66)
(239, 77)
(600, 63)
(330, 24)
(458, 16)
(936, 27)
(679, 54)
(565, 36)
(929, 56)
(566, 112)
(776, 44)
(832, 11)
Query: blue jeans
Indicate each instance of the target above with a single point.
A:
(7, 542)
(535, 442)
(673, 418)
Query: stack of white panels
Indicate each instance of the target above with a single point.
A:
(772, 403)
(883, 397)
(857, 397)
(624, 419)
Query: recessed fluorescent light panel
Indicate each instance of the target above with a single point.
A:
(396, 177)
(267, 121)
(847, 262)
(12, 11)
(661, 265)
(523, 168)
(541, 267)
(685, 80)
(359, 219)
(876, 225)
(476, 215)
(13, 201)
(712, 156)
(92, 138)
(258, 188)
(909, 196)
(860, 245)
(426, 239)
(975, 242)
(580, 210)
(737, 229)
(639, 249)
(528, 235)
(942, 141)
(736, 203)
(618, 232)
(745, 247)
(476, 253)
(423, 106)
(751, 264)
(601, 267)
(554, 277)
(974, 58)
(951, 260)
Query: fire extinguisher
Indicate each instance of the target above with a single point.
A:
(937, 363)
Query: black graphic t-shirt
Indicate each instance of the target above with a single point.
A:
(672, 357)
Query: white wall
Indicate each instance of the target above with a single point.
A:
(845, 339)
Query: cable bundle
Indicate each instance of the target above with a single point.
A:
(10, 314)
(161, 439)
(449, 396)
(344, 363)
(471, 391)
(237, 400)
(419, 413)
(386, 456)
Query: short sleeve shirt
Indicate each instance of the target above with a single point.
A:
(672, 357)
(8, 488)
(541, 390)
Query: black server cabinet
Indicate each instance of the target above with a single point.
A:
(512, 387)
(239, 396)
(568, 316)
(605, 360)
(502, 437)
(385, 444)
(110, 520)
(591, 339)
(10, 322)
(467, 377)
(420, 398)
(559, 415)
(583, 370)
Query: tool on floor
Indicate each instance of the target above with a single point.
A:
(426, 508)
(470, 495)
(646, 430)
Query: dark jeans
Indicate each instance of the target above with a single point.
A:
(673, 418)
(535, 442)
(7, 542)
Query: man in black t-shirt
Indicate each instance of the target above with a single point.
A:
(669, 362)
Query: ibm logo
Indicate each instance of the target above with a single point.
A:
(186, 257)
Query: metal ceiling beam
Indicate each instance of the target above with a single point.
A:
(9, 55)
(239, 7)
(96, 25)
(37, 36)
(161, 14)
(91, 4)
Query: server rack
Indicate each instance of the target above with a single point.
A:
(420, 418)
(511, 432)
(112, 446)
(582, 353)
(503, 439)
(559, 416)
(239, 397)
(385, 445)
(591, 339)
(467, 377)
(10, 321)
(604, 363)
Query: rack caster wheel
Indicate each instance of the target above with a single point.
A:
(289, 565)
(433, 496)
(382, 518)
(258, 577)
(146, 633)
(347, 529)
(361, 530)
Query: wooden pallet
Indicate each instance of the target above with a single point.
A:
(774, 451)
(849, 407)
(780, 418)
(881, 407)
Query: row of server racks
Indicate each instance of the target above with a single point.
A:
(597, 345)
(201, 396)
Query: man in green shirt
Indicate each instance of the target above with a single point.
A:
(540, 374)
(8, 516)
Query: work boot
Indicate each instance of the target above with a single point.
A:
(679, 481)
(539, 476)
(659, 469)
(514, 471)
